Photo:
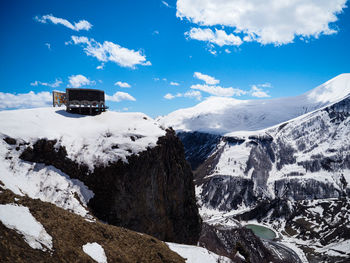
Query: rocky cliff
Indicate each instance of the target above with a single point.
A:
(152, 192)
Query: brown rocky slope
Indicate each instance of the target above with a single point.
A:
(70, 232)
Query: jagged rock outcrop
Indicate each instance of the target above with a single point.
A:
(152, 193)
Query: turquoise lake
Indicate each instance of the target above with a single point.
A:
(262, 231)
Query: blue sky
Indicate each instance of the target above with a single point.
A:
(268, 52)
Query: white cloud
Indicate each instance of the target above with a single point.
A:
(76, 81)
(173, 83)
(267, 22)
(108, 51)
(212, 51)
(155, 32)
(219, 37)
(166, 4)
(193, 94)
(81, 25)
(239, 92)
(189, 94)
(25, 100)
(227, 51)
(169, 96)
(156, 79)
(101, 66)
(265, 85)
(258, 92)
(206, 78)
(122, 84)
(55, 84)
(119, 96)
(219, 91)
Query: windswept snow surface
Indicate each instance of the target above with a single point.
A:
(194, 254)
(20, 219)
(92, 140)
(96, 252)
(223, 115)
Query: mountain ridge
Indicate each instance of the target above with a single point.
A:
(219, 115)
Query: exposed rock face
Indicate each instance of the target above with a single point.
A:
(198, 146)
(215, 192)
(152, 193)
(309, 190)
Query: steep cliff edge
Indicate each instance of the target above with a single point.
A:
(153, 193)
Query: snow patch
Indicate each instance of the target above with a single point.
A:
(194, 254)
(22, 221)
(96, 252)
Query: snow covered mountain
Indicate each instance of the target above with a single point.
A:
(283, 163)
(304, 158)
(223, 115)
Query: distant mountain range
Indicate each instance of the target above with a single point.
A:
(281, 162)
(219, 115)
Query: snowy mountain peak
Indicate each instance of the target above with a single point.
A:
(223, 115)
(331, 91)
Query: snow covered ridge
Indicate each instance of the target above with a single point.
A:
(90, 140)
(222, 115)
